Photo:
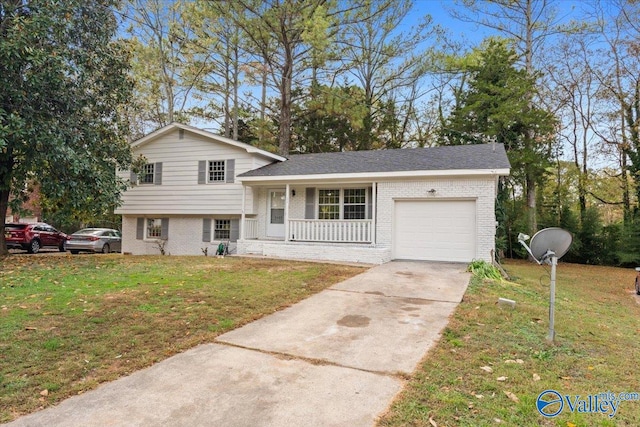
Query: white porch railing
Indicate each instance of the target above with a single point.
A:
(314, 230)
(250, 228)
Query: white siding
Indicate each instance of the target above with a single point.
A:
(180, 193)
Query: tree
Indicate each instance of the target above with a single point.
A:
(528, 23)
(495, 107)
(164, 66)
(387, 65)
(330, 120)
(64, 86)
(277, 31)
(619, 74)
(575, 90)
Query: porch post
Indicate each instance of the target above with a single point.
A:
(242, 216)
(374, 213)
(286, 213)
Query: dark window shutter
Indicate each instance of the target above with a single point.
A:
(133, 178)
(206, 229)
(234, 234)
(310, 203)
(140, 229)
(202, 172)
(164, 234)
(370, 203)
(230, 170)
(157, 173)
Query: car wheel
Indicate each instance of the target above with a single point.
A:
(75, 252)
(63, 247)
(637, 286)
(106, 249)
(34, 246)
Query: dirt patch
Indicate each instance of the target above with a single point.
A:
(354, 321)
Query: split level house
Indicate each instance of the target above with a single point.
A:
(199, 189)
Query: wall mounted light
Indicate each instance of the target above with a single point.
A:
(293, 193)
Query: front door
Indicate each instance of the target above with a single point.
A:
(275, 214)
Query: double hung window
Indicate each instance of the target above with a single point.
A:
(342, 203)
(147, 174)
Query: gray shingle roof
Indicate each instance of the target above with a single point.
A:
(479, 156)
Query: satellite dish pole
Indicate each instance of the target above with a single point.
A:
(548, 246)
(552, 298)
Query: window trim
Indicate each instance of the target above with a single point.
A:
(216, 229)
(144, 174)
(146, 228)
(209, 171)
(363, 204)
(341, 204)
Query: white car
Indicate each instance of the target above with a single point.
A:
(103, 240)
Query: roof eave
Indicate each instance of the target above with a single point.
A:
(373, 176)
(170, 127)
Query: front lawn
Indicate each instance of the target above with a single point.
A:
(493, 361)
(69, 323)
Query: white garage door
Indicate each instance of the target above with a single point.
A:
(435, 230)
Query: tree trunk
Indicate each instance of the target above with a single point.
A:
(236, 72)
(532, 221)
(4, 204)
(6, 174)
(285, 104)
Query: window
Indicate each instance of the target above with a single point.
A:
(222, 229)
(329, 204)
(347, 203)
(146, 176)
(216, 171)
(355, 203)
(154, 228)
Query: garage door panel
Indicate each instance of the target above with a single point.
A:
(435, 230)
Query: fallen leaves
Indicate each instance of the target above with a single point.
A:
(488, 369)
(512, 396)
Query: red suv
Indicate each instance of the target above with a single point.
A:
(32, 237)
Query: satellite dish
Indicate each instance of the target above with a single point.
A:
(547, 246)
(552, 241)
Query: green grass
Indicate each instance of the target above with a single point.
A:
(69, 323)
(596, 350)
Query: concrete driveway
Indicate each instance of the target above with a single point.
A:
(334, 359)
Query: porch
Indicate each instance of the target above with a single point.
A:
(315, 230)
(317, 251)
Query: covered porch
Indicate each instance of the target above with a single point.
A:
(312, 212)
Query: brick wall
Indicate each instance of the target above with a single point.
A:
(482, 190)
